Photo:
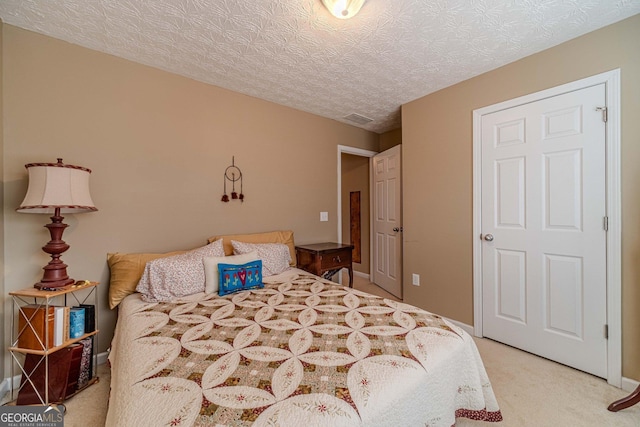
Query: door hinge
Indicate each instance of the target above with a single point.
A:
(606, 332)
(605, 223)
(604, 113)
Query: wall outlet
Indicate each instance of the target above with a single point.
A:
(416, 279)
(324, 216)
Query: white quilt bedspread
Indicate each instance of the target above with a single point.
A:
(303, 351)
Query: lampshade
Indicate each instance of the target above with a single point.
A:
(343, 9)
(56, 185)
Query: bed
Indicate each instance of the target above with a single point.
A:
(301, 350)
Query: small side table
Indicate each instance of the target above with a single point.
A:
(35, 339)
(325, 259)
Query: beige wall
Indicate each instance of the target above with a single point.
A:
(158, 145)
(437, 153)
(355, 177)
(390, 139)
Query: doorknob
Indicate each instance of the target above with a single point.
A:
(397, 229)
(488, 237)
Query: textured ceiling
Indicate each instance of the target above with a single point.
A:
(294, 53)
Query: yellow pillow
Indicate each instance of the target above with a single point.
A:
(126, 270)
(284, 236)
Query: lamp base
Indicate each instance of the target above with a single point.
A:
(55, 273)
(48, 286)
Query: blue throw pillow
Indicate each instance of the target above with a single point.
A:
(239, 277)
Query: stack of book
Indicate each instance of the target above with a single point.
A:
(38, 330)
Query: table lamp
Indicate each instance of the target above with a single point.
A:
(56, 188)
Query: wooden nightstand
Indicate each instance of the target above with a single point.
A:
(325, 259)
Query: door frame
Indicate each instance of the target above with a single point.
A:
(611, 79)
(345, 149)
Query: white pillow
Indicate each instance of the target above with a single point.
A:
(211, 278)
(275, 256)
(169, 278)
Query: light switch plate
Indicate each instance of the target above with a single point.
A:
(324, 216)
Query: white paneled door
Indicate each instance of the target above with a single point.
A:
(387, 221)
(543, 228)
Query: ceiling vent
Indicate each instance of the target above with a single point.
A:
(357, 118)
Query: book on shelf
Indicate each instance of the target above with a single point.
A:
(92, 360)
(35, 327)
(61, 325)
(89, 317)
(86, 363)
(67, 314)
(63, 374)
(76, 322)
(74, 369)
(58, 326)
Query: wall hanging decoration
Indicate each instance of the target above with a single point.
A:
(233, 174)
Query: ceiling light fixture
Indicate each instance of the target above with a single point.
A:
(343, 9)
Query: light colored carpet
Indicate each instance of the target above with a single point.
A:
(536, 392)
(364, 285)
(531, 391)
(89, 408)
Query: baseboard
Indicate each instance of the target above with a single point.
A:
(361, 274)
(5, 385)
(102, 357)
(467, 328)
(629, 385)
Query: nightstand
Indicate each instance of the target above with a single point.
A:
(325, 259)
(54, 363)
